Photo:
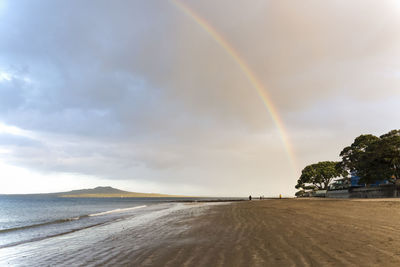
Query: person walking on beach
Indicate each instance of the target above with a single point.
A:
(250, 197)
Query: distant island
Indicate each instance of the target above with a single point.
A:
(104, 191)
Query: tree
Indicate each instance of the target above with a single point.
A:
(353, 156)
(300, 193)
(319, 175)
(387, 150)
(373, 158)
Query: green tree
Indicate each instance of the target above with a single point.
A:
(300, 193)
(319, 175)
(387, 155)
(373, 158)
(353, 155)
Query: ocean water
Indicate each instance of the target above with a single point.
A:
(51, 231)
(31, 218)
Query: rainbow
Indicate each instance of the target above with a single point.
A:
(249, 74)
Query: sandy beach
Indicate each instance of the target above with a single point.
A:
(286, 232)
(293, 232)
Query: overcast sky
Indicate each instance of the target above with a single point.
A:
(138, 96)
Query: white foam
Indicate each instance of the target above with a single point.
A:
(116, 210)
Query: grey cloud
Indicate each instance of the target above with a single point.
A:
(304, 51)
(8, 140)
(138, 90)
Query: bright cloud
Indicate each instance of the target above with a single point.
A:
(4, 76)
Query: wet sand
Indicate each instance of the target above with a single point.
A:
(288, 232)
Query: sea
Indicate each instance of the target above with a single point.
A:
(36, 230)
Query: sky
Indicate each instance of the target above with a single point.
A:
(140, 96)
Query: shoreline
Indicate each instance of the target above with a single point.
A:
(145, 228)
(270, 232)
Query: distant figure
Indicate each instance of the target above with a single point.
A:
(250, 197)
(260, 197)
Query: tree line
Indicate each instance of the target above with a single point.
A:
(369, 157)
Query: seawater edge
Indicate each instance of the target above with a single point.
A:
(145, 227)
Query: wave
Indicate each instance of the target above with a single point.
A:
(41, 224)
(116, 210)
(58, 221)
(48, 236)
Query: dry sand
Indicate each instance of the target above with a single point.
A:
(287, 232)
